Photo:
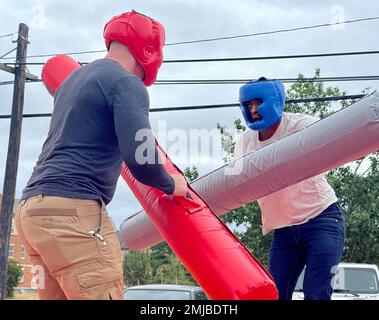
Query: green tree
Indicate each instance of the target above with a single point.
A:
(14, 276)
(137, 267)
(358, 192)
(304, 89)
(191, 173)
(172, 273)
(160, 255)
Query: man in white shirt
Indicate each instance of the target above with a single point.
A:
(306, 217)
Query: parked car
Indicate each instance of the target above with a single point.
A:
(164, 292)
(352, 281)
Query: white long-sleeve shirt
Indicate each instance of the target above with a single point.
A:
(295, 204)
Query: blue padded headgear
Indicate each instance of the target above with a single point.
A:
(272, 94)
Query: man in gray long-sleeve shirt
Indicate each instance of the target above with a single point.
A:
(97, 113)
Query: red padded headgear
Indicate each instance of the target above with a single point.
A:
(144, 38)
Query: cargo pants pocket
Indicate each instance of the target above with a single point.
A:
(61, 240)
(101, 283)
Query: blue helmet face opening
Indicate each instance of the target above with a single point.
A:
(272, 95)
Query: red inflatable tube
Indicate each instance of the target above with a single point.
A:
(221, 265)
(56, 70)
(216, 259)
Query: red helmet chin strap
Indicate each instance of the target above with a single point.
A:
(144, 38)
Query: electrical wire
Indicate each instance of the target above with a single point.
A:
(217, 38)
(242, 81)
(215, 106)
(273, 32)
(298, 56)
(284, 80)
(7, 35)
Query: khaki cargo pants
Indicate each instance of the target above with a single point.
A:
(73, 248)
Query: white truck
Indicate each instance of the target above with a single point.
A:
(352, 281)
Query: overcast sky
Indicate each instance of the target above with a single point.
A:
(71, 26)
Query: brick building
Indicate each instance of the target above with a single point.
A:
(18, 253)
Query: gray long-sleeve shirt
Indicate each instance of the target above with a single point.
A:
(97, 113)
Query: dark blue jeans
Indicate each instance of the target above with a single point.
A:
(316, 244)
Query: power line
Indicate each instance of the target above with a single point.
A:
(4, 83)
(215, 106)
(241, 81)
(7, 35)
(5, 54)
(272, 32)
(214, 39)
(55, 54)
(284, 80)
(298, 56)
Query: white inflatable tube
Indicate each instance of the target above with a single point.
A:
(347, 135)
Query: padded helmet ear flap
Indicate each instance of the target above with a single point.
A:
(144, 38)
(272, 95)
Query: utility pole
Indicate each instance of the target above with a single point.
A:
(13, 154)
